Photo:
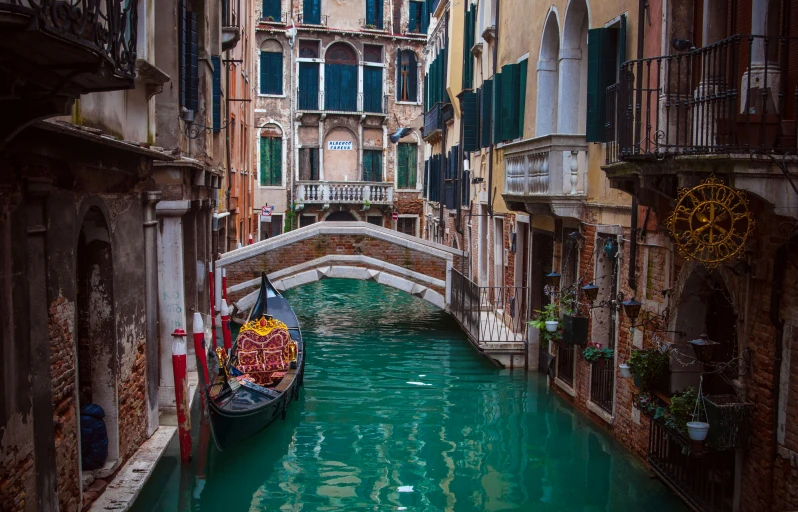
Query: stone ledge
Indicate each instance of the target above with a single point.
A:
(565, 387)
(601, 413)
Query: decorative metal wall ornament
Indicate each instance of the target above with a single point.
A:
(711, 222)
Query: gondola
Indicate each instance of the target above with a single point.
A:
(256, 382)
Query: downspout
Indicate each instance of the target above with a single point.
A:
(641, 32)
(493, 120)
(215, 237)
(461, 157)
(441, 225)
(291, 127)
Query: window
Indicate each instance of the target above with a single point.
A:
(308, 91)
(271, 161)
(407, 81)
(273, 228)
(469, 105)
(418, 18)
(407, 156)
(374, 14)
(311, 12)
(372, 165)
(374, 219)
(217, 93)
(306, 220)
(340, 78)
(372, 53)
(271, 68)
(468, 43)
(189, 59)
(372, 89)
(272, 10)
(308, 49)
(406, 225)
(509, 96)
(309, 164)
(605, 52)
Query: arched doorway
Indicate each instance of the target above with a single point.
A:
(342, 216)
(96, 332)
(548, 78)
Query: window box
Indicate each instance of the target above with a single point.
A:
(730, 421)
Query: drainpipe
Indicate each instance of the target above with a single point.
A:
(215, 237)
(461, 158)
(641, 33)
(492, 131)
(441, 224)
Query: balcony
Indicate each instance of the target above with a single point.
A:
(344, 192)
(231, 25)
(53, 51)
(317, 21)
(354, 104)
(731, 101)
(435, 120)
(547, 175)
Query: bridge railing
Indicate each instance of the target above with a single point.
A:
(327, 192)
(489, 314)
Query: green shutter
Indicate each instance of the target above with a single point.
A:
(407, 156)
(487, 112)
(602, 52)
(217, 93)
(311, 12)
(271, 73)
(271, 161)
(468, 106)
(372, 165)
(509, 101)
(523, 69)
(497, 108)
(372, 89)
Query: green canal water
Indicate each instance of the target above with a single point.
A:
(398, 412)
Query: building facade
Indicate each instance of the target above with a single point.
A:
(334, 81)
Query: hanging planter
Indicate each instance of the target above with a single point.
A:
(551, 325)
(730, 419)
(626, 373)
(697, 430)
(575, 330)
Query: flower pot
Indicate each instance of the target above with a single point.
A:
(574, 330)
(551, 325)
(697, 430)
(625, 371)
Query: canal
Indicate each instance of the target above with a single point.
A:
(398, 412)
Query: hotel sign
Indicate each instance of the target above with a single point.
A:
(339, 145)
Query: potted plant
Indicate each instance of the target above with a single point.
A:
(269, 18)
(595, 352)
(626, 371)
(366, 205)
(546, 321)
(647, 366)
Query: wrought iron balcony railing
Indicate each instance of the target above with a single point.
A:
(735, 96)
(340, 103)
(546, 166)
(282, 19)
(489, 314)
(344, 192)
(435, 118)
(99, 36)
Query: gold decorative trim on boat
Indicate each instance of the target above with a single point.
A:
(263, 326)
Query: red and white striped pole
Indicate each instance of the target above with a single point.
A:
(250, 240)
(224, 283)
(228, 343)
(181, 393)
(213, 303)
(199, 349)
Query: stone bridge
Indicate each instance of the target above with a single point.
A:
(354, 250)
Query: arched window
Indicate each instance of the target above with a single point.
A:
(407, 81)
(340, 78)
(271, 67)
(548, 79)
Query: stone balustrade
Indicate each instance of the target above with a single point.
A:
(544, 166)
(344, 192)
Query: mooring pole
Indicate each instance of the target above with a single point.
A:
(228, 343)
(181, 393)
(202, 354)
(213, 309)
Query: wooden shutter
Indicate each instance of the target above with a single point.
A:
(523, 69)
(509, 111)
(183, 54)
(265, 165)
(497, 108)
(311, 12)
(425, 185)
(308, 93)
(192, 98)
(401, 165)
(413, 23)
(304, 164)
(275, 80)
(265, 62)
(271, 161)
(372, 165)
(217, 93)
(374, 13)
(468, 105)
(412, 78)
(412, 165)
(340, 87)
(407, 163)
(487, 112)
(372, 89)
(424, 18)
(601, 54)
(272, 8)
(314, 164)
(468, 43)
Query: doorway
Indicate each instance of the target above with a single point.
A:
(341, 216)
(542, 258)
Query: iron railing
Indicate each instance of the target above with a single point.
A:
(230, 10)
(489, 314)
(602, 384)
(435, 118)
(321, 21)
(359, 104)
(285, 17)
(107, 28)
(377, 25)
(565, 363)
(704, 480)
(735, 96)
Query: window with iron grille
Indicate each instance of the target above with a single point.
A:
(406, 225)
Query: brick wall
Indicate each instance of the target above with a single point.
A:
(133, 406)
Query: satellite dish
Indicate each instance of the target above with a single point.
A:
(401, 132)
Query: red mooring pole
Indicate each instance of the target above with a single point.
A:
(224, 283)
(181, 393)
(199, 346)
(213, 312)
(228, 343)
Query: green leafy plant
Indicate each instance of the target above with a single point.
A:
(594, 352)
(681, 410)
(366, 204)
(290, 215)
(549, 313)
(648, 365)
(370, 26)
(269, 18)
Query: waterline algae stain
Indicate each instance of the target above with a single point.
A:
(399, 413)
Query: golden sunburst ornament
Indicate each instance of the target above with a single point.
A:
(711, 222)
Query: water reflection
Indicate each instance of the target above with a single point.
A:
(399, 413)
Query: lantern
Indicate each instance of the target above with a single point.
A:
(703, 348)
(632, 308)
(611, 248)
(591, 291)
(554, 279)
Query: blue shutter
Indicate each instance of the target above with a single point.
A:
(308, 93)
(374, 13)
(425, 185)
(272, 9)
(311, 12)
(183, 55)
(372, 89)
(340, 87)
(271, 73)
(193, 62)
(469, 106)
(412, 23)
(217, 93)
(424, 17)
(487, 113)
(412, 79)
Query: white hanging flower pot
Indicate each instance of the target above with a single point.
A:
(697, 430)
(551, 325)
(626, 373)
